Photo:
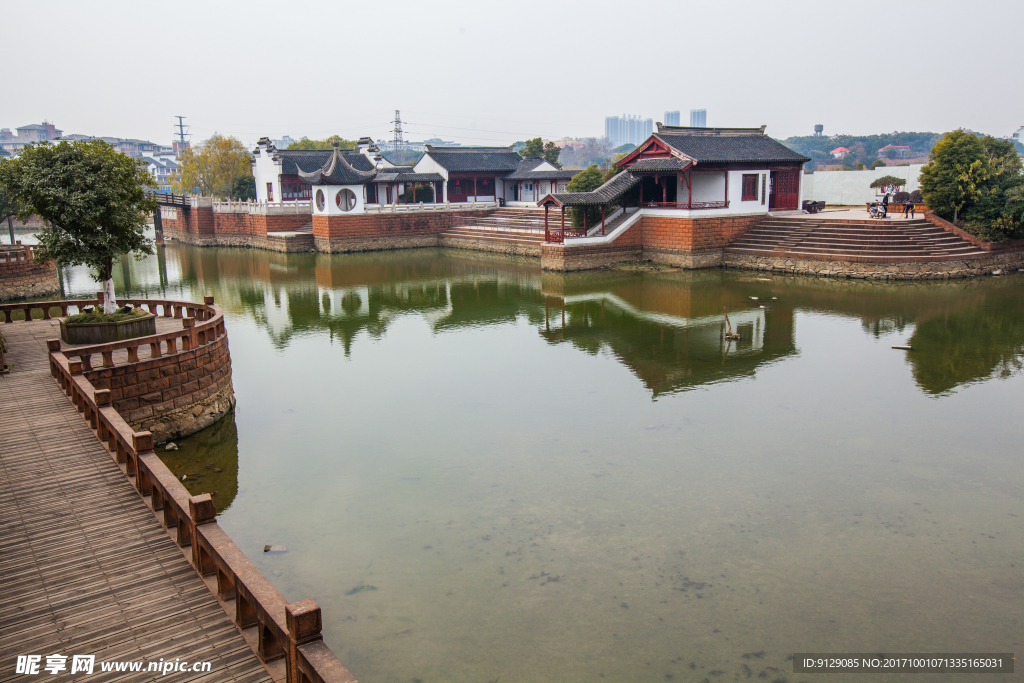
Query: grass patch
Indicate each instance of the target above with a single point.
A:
(97, 317)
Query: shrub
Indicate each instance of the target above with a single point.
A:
(902, 197)
(916, 197)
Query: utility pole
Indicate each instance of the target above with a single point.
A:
(180, 132)
(397, 130)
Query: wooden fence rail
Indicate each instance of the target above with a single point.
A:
(291, 631)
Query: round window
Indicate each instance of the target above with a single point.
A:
(345, 199)
(319, 200)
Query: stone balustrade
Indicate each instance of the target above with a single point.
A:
(288, 631)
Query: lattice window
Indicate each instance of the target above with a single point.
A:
(749, 187)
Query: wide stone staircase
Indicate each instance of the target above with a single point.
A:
(505, 230)
(862, 241)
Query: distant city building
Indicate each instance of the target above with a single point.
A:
(389, 145)
(672, 118)
(28, 135)
(284, 142)
(897, 150)
(698, 118)
(163, 169)
(621, 130)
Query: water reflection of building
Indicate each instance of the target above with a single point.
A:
(965, 330)
(669, 330)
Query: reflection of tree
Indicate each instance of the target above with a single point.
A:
(209, 462)
(968, 345)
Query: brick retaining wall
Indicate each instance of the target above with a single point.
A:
(340, 234)
(174, 395)
(21, 279)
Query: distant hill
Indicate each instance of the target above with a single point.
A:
(863, 147)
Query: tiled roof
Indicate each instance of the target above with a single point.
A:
(723, 145)
(486, 159)
(338, 170)
(386, 176)
(295, 160)
(614, 188)
(671, 164)
(542, 175)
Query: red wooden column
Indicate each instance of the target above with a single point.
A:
(727, 188)
(563, 231)
(602, 219)
(641, 200)
(474, 189)
(546, 223)
(585, 221)
(664, 189)
(689, 189)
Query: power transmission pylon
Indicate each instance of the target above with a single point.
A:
(180, 130)
(397, 130)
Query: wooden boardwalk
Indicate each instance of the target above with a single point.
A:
(85, 567)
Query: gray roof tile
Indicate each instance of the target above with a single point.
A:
(483, 159)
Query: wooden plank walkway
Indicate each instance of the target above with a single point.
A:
(85, 567)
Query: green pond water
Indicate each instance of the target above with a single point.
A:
(483, 472)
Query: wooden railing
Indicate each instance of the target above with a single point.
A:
(171, 199)
(16, 254)
(510, 224)
(291, 631)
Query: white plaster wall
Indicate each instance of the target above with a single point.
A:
(710, 187)
(426, 164)
(330, 205)
(852, 188)
(266, 170)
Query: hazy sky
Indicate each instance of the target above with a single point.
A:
(495, 72)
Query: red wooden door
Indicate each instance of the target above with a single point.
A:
(785, 190)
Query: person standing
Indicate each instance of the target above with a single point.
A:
(885, 205)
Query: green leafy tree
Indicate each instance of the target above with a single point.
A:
(93, 201)
(534, 149)
(975, 182)
(326, 143)
(876, 164)
(211, 168)
(586, 181)
(243, 187)
(551, 152)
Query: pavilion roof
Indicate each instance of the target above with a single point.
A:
(611, 190)
(467, 159)
(338, 170)
(295, 160)
(725, 145)
(542, 175)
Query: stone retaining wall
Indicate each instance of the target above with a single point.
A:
(174, 395)
(931, 270)
(345, 234)
(21, 279)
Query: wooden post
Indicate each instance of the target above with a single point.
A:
(602, 219)
(563, 227)
(474, 189)
(546, 223)
(689, 189)
(585, 212)
(664, 189)
(641, 200)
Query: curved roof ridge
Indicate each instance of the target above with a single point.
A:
(337, 170)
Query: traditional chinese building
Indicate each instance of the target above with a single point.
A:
(487, 174)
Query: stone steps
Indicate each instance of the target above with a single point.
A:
(497, 236)
(853, 240)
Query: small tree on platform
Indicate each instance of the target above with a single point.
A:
(888, 181)
(92, 200)
(586, 181)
